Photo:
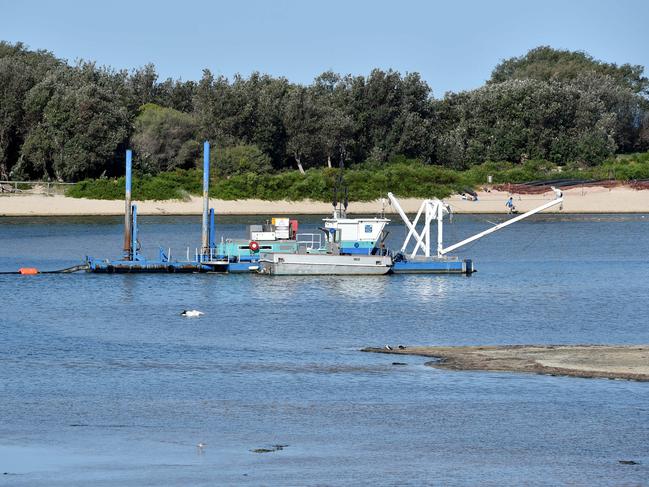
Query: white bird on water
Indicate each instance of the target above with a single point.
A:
(192, 313)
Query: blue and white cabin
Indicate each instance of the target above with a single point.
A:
(356, 235)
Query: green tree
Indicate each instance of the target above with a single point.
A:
(142, 86)
(382, 106)
(524, 119)
(302, 120)
(240, 159)
(15, 81)
(176, 94)
(336, 126)
(78, 125)
(268, 132)
(20, 70)
(221, 111)
(165, 139)
(547, 64)
(71, 121)
(628, 109)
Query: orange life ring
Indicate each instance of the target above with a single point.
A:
(253, 246)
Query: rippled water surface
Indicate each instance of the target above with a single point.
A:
(103, 383)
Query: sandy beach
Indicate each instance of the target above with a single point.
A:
(619, 199)
(590, 361)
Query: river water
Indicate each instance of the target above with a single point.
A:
(103, 383)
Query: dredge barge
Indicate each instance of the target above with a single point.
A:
(344, 245)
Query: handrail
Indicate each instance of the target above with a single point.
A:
(311, 242)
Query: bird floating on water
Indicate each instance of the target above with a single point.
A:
(192, 313)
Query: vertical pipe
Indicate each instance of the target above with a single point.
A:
(429, 217)
(134, 235)
(127, 208)
(206, 197)
(440, 229)
(212, 231)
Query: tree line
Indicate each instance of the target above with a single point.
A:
(71, 122)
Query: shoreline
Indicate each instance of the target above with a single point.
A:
(591, 199)
(627, 362)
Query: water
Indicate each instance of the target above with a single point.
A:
(103, 383)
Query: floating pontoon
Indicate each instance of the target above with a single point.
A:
(133, 261)
(229, 256)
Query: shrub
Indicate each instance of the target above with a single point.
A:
(405, 178)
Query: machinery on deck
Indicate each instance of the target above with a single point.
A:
(434, 210)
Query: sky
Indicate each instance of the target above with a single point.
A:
(454, 45)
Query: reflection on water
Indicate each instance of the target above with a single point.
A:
(101, 380)
(427, 287)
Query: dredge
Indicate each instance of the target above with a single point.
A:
(344, 246)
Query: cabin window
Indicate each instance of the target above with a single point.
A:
(368, 228)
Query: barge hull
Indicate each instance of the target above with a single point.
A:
(313, 264)
(433, 266)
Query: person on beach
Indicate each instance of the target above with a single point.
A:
(558, 194)
(510, 205)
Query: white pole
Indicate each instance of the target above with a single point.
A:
(440, 223)
(429, 217)
(501, 225)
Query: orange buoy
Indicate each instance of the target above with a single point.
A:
(28, 271)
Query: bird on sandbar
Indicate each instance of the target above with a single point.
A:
(388, 347)
(192, 313)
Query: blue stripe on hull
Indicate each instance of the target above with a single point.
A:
(242, 267)
(354, 250)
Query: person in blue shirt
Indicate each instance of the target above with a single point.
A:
(510, 205)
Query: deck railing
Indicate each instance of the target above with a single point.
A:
(309, 240)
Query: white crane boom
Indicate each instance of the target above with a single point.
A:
(547, 205)
(435, 209)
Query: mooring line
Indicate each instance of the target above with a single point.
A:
(31, 271)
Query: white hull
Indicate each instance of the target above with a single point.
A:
(320, 264)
